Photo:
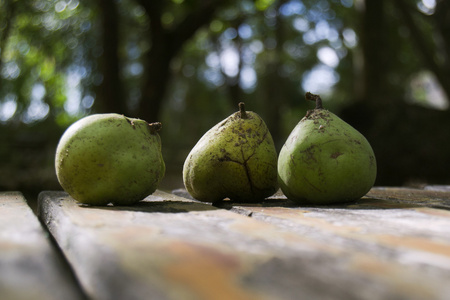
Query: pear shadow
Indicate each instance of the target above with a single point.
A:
(375, 199)
(365, 203)
(230, 205)
(369, 202)
(276, 200)
(165, 206)
(280, 200)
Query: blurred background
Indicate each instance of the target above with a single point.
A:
(381, 65)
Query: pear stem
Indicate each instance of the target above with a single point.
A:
(155, 127)
(316, 98)
(242, 111)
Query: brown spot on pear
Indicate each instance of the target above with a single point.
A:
(325, 160)
(235, 159)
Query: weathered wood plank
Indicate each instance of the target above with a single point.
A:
(437, 197)
(30, 268)
(169, 247)
(440, 188)
(377, 197)
(401, 240)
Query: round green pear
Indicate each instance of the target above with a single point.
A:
(235, 159)
(325, 160)
(109, 158)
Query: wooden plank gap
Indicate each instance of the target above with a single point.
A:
(31, 268)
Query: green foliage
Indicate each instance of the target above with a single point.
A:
(44, 40)
(294, 44)
(267, 53)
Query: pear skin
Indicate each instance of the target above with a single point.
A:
(235, 159)
(109, 158)
(325, 160)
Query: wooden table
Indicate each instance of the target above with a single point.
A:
(392, 244)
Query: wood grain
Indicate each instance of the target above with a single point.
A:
(30, 267)
(171, 247)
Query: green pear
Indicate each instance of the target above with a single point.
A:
(235, 159)
(325, 160)
(109, 158)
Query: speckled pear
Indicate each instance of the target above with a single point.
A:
(109, 158)
(235, 159)
(325, 160)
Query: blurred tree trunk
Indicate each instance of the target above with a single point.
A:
(276, 91)
(165, 45)
(442, 19)
(408, 144)
(110, 96)
(437, 58)
(374, 50)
